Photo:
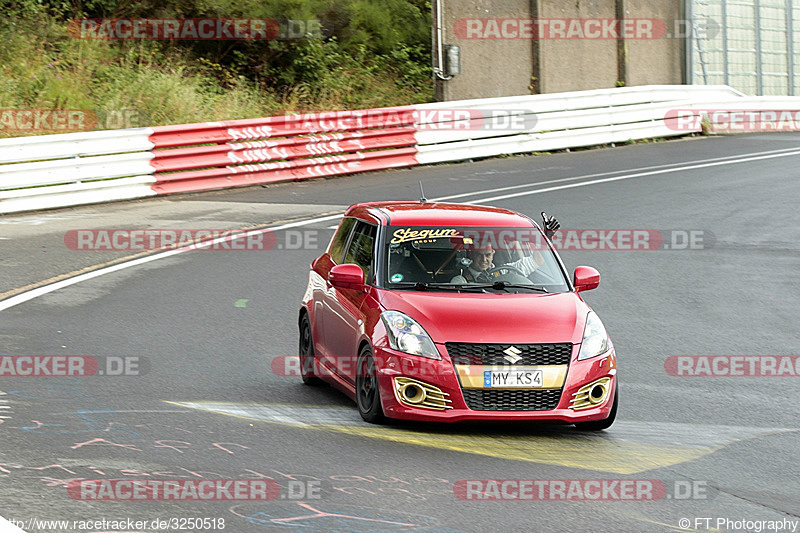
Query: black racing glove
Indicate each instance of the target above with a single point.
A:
(551, 225)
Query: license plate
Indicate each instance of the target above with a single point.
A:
(512, 378)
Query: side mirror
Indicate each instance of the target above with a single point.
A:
(347, 276)
(586, 278)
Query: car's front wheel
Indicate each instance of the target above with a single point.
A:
(600, 425)
(306, 351)
(368, 395)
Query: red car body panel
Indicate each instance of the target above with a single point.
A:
(580, 373)
(493, 318)
(343, 320)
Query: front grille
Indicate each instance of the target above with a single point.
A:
(512, 400)
(492, 354)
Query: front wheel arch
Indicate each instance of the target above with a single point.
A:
(303, 313)
(307, 366)
(600, 425)
(364, 344)
(368, 393)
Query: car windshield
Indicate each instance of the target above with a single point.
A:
(445, 257)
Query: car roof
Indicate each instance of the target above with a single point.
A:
(408, 213)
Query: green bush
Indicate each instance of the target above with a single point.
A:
(374, 53)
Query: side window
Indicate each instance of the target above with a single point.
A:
(362, 248)
(340, 239)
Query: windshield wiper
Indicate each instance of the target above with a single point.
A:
(502, 285)
(424, 286)
(472, 287)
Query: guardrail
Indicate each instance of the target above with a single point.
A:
(255, 151)
(81, 168)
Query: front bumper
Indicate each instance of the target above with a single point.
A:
(443, 375)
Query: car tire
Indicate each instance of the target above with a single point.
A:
(600, 425)
(306, 351)
(368, 395)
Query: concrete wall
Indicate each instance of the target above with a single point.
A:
(577, 64)
(659, 61)
(496, 67)
(506, 67)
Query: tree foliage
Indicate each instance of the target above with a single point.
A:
(388, 34)
(371, 53)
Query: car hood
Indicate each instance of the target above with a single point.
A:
(495, 318)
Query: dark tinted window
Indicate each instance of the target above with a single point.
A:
(457, 255)
(340, 239)
(362, 248)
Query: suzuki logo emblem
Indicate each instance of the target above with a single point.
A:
(512, 354)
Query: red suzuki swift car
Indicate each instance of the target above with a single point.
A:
(451, 312)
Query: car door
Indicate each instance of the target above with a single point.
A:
(344, 320)
(321, 268)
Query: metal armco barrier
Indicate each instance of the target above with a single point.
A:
(75, 168)
(267, 150)
(80, 168)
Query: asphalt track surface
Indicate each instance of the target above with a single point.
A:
(209, 324)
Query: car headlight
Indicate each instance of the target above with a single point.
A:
(406, 335)
(595, 339)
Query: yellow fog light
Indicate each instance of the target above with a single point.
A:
(415, 393)
(591, 395)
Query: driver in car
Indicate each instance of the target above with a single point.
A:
(481, 263)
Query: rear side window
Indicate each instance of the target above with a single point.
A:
(340, 239)
(362, 248)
